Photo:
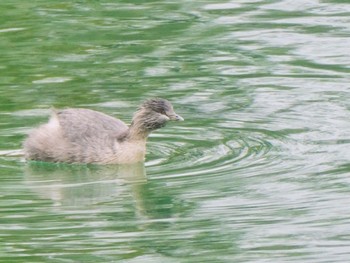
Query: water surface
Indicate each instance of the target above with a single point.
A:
(258, 172)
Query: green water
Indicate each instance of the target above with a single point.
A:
(258, 172)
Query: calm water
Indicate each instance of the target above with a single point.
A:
(258, 172)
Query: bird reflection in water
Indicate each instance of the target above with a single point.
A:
(78, 185)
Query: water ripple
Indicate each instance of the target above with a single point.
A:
(233, 150)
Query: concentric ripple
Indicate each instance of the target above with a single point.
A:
(230, 150)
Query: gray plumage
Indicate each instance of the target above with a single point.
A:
(87, 136)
